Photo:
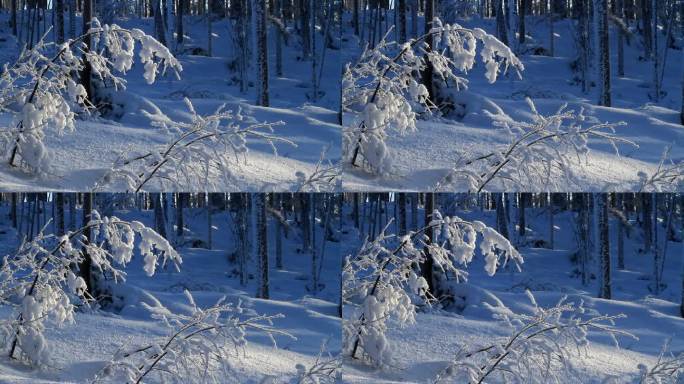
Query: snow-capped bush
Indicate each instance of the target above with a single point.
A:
(40, 284)
(39, 88)
(539, 348)
(380, 281)
(203, 148)
(538, 150)
(198, 348)
(384, 91)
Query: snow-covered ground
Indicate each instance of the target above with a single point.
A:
(422, 158)
(420, 351)
(78, 160)
(79, 351)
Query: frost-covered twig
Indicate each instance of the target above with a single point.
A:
(40, 90)
(326, 369)
(668, 175)
(198, 348)
(203, 147)
(668, 369)
(382, 279)
(39, 283)
(383, 91)
(324, 178)
(536, 149)
(540, 346)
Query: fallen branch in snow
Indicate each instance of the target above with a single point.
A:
(197, 350)
(41, 92)
(205, 146)
(538, 350)
(39, 283)
(384, 89)
(537, 148)
(383, 280)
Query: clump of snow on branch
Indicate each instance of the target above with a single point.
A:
(203, 149)
(539, 348)
(40, 91)
(380, 281)
(198, 349)
(40, 283)
(384, 90)
(538, 150)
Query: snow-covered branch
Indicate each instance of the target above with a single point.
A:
(384, 91)
(39, 282)
(668, 175)
(198, 348)
(205, 147)
(537, 151)
(668, 368)
(538, 349)
(40, 91)
(381, 277)
(325, 177)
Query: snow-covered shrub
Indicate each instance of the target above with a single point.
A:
(537, 151)
(380, 281)
(668, 369)
(203, 148)
(539, 348)
(384, 89)
(39, 88)
(198, 348)
(40, 283)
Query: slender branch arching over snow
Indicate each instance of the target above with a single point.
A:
(539, 348)
(39, 282)
(199, 347)
(205, 147)
(381, 279)
(42, 95)
(537, 151)
(383, 91)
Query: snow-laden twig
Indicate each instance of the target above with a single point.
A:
(198, 348)
(537, 150)
(668, 369)
(204, 148)
(384, 91)
(39, 282)
(325, 177)
(381, 277)
(40, 91)
(539, 348)
(326, 369)
(668, 175)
